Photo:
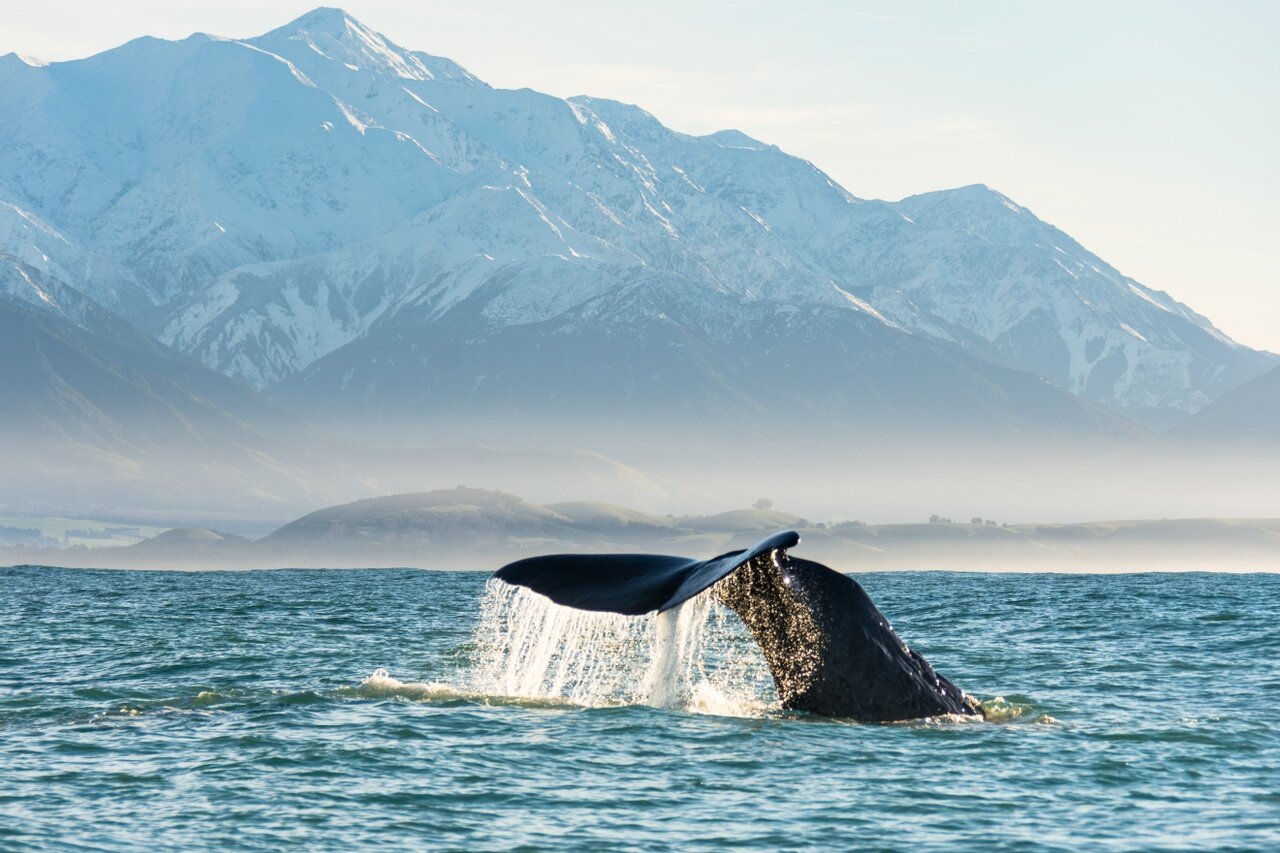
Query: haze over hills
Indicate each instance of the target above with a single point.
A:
(91, 403)
(481, 529)
(100, 416)
(1248, 415)
(397, 254)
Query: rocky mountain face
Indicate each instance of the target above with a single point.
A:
(355, 226)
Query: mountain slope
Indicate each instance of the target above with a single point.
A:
(416, 528)
(1032, 297)
(262, 204)
(1247, 415)
(96, 410)
(672, 363)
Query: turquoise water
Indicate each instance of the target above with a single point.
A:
(246, 711)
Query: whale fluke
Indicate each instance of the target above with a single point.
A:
(830, 650)
(630, 584)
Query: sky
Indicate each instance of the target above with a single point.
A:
(1149, 130)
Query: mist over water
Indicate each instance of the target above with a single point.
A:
(249, 710)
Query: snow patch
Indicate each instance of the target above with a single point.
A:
(1131, 330)
(39, 293)
(759, 219)
(293, 69)
(350, 115)
(411, 94)
(1137, 291)
(688, 180)
(864, 306)
(666, 223)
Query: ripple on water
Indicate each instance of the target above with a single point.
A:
(350, 709)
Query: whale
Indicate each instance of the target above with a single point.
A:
(830, 650)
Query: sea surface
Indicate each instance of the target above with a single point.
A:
(407, 709)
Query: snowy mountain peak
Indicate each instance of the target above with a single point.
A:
(264, 203)
(731, 138)
(32, 61)
(327, 20)
(335, 35)
(970, 199)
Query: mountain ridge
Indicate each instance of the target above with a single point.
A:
(347, 197)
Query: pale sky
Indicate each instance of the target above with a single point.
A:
(1147, 129)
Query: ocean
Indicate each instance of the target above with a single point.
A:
(407, 709)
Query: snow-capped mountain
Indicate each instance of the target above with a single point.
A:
(286, 206)
(655, 365)
(984, 272)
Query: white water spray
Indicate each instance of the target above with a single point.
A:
(695, 657)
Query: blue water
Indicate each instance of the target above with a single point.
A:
(237, 711)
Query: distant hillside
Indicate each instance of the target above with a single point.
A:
(1249, 413)
(406, 528)
(481, 529)
(742, 520)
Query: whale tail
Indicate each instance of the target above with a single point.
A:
(828, 647)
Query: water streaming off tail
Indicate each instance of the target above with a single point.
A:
(696, 657)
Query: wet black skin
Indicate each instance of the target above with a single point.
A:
(830, 650)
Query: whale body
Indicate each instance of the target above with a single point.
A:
(830, 650)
